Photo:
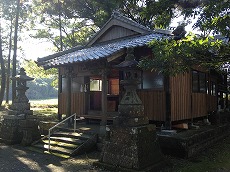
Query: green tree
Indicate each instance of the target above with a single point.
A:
(15, 49)
(2, 64)
(175, 56)
(209, 17)
(16, 13)
(74, 31)
(8, 62)
(37, 72)
(98, 11)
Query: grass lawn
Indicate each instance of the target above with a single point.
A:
(45, 109)
(215, 158)
(43, 102)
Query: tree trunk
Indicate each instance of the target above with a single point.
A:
(15, 50)
(60, 24)
(3, 75)
(8, 64)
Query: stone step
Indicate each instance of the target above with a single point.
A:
(78, 130)
(75, 135)
(67, 143)
(54, 149)
(62, 144)
(67, 139)
(39, 150)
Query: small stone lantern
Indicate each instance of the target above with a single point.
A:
(131, 110)
(19, 125)
(20, 104)
(132, 144)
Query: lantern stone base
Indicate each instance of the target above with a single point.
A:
(20, 108)
(19, 129)
(29, 127)
(132, 149)
(11, 132)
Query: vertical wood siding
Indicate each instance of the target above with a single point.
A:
(180, 89)
(199, 105)
(115, 33)
(77, 103)
(62, 103)
(154, 104)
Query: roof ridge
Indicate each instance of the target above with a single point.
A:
(119, 16)
(120, 39)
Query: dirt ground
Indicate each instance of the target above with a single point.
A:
(16, 158)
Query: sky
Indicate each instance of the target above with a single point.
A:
(34, 48)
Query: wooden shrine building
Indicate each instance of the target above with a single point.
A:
(89, 84)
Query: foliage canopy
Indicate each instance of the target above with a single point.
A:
(175, 56)
(37, 72)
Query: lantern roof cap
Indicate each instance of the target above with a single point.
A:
(22, 76)
(129, 59)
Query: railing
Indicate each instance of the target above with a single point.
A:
(74, 126)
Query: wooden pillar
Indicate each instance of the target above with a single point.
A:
(68, 101)
(168, 103)
(86, 94)
(226, 86)
(226, 100)
(104, 102)
(59, 92)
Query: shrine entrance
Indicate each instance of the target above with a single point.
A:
(111, 92)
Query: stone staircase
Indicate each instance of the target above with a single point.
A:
(66, 143)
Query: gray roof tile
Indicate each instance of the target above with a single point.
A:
(101, 51)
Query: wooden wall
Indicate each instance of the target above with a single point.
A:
(184, 103)
(62, 103)
(154, 104)
(180, 89)
(77, 103)
(199, 105)
(116, 32)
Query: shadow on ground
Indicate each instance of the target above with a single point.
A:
(17, 158)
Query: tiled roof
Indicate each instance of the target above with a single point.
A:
(99, 51)
(125, 19)
(118, 17)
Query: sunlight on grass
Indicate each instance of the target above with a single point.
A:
(44, 102)
(45, 109)
(45, 113)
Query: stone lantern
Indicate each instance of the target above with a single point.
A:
(20, 104)
(19, 125)
(132, 143)
(131, 110)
